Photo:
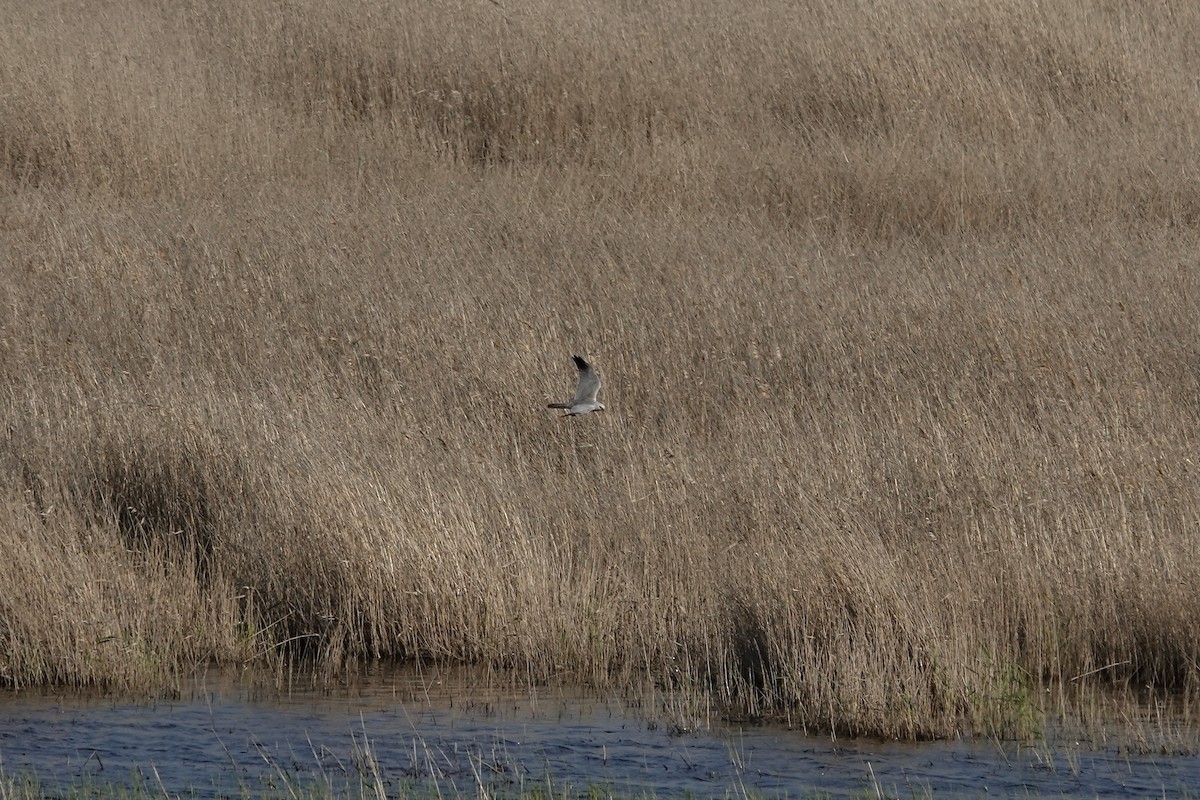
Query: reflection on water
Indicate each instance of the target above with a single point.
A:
(440, 729)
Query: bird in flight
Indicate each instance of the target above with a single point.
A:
(584, 400)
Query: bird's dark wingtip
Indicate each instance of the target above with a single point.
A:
(579, 362)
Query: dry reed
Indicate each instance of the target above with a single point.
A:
(896, 305)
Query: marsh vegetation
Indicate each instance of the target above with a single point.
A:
(896, 306)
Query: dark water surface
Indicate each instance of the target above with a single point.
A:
(442, 731)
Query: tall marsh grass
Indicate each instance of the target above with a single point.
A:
(896, 307)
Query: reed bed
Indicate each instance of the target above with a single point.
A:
(895, 303)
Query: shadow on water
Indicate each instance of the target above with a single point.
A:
(452, 732)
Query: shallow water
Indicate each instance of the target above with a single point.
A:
(440, 730)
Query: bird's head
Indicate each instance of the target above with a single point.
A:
(599, 406)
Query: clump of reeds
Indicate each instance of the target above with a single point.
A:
(893, 306)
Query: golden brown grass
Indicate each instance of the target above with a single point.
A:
(896, 305)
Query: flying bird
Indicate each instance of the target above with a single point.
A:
(584, 400)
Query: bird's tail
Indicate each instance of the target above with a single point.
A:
(559, 405)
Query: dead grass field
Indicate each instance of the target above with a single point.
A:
(896, 306)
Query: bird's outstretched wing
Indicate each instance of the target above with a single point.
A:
(589, 382)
